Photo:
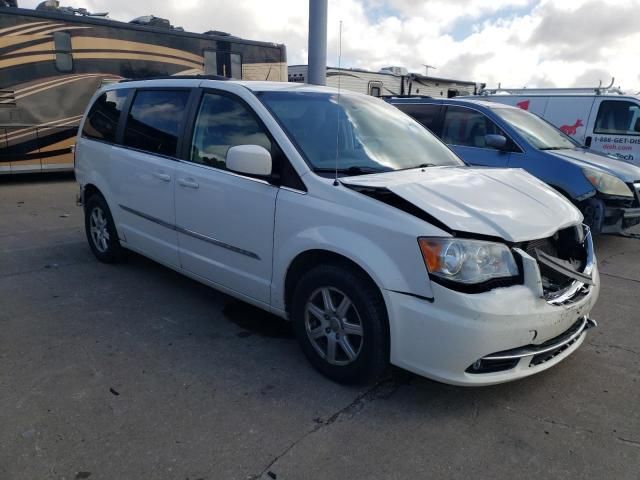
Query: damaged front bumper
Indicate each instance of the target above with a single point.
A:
(618, 220)
(506, 333)
(612, 214)
(533, 355)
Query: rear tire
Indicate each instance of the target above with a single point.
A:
(341, 323)
(101, 230)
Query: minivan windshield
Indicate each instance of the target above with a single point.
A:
(356, 133)
(536, 131)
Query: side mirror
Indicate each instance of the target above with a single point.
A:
(499, 142)
(249, 160)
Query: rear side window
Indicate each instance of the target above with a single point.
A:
(467, 128)
(427, 115)
(154, 121)
(618, 118)
(224, 122)
(102, 120)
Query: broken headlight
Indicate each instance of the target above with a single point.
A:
(465, 261)
(607, 184)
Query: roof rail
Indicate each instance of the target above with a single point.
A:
(599, 90)
(179, 77)
(405, 96)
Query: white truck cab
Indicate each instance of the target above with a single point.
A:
(607, 123)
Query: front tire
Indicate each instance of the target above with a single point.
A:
(341, 323)
(101, 230)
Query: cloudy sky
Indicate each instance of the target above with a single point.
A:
(514, 42)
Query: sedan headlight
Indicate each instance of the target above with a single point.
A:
(607, 184)
(465, 261)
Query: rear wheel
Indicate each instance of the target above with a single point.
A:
(101, 230)
(341, 323)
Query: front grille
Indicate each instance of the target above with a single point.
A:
(567, 245)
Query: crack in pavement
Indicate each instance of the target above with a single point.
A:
(618, 347)
(381, 390)
(550, 421)
(619, 277)
(628, 441)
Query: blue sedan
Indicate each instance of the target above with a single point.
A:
(605, 189)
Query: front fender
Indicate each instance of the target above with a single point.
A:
(386, 270)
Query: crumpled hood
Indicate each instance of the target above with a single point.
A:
(506, 203)
(584, 158)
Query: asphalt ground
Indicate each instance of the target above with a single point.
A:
(132, 371)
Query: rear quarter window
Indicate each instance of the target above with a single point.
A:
(102, 119)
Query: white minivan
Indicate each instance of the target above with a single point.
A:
(342, 214)
(605, 123)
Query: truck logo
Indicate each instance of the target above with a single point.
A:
(524, 105)
(571, 129)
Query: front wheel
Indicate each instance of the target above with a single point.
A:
(101, 230)
(340, 320)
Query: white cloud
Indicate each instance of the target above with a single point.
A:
(514, 42)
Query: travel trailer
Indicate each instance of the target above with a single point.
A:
(388, 81)
(55, 58)
(603, 119)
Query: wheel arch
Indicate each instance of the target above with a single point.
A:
(88, 190)
(306, 260)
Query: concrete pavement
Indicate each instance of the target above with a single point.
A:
(134, 371)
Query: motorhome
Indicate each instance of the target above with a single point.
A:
(55, 58)
(603, 119)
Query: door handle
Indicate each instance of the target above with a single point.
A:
(162, 176)
(587, 142)
(188, 183)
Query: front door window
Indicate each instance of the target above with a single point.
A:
(467, 128)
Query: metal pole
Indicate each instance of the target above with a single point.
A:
(317, 68)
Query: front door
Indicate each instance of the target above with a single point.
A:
(225, 220)
(616, 128)
(464, 130)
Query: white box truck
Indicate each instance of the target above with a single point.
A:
(597, 118)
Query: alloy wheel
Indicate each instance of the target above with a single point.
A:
(98, 229)
(334, 326)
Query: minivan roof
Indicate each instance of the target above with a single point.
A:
(203, 81)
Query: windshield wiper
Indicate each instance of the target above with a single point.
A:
(422, 165)
(353, 170)
(554, 148)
